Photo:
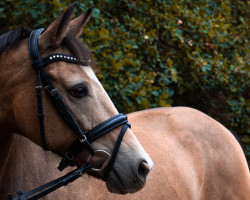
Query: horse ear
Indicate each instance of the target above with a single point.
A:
(77, 24)
(54, 34)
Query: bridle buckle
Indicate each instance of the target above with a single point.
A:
(84, 139)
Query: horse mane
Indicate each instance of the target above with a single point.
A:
(13, 37)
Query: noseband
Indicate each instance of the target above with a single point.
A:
(84, 140)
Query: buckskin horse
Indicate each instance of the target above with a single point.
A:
(194, 156)
(81, 122)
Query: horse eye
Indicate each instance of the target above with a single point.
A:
(79, 92)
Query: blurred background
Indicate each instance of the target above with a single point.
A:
(162, 53)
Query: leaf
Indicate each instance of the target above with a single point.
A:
(104, 33)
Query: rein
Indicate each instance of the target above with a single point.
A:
(83, 141)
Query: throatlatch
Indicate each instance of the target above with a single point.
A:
(83, 141)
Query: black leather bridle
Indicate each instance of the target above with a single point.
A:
(83, 141)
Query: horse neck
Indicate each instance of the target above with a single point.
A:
(5, 151)
(12, 164)
(24, 167)
(12, 74)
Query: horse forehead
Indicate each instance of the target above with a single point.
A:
(76, 73)
(90, 74)
(65, 71)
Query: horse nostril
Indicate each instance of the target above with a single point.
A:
(143, 170)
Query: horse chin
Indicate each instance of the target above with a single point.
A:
(119, 184)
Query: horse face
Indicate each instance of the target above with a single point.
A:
(89, 104)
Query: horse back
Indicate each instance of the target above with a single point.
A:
(194, 155)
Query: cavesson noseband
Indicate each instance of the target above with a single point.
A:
(84, 140)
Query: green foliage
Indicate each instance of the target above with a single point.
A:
(162, 52)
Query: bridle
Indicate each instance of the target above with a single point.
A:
(83, 141)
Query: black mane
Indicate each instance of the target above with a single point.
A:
(13, 37)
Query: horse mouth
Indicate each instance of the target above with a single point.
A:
(116, 185)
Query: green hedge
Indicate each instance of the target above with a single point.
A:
(163, 53)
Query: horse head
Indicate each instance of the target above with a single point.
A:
(84, 98)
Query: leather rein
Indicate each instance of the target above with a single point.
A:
(83, 141)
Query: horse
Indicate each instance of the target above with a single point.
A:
(194, 156)
(76, 118)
